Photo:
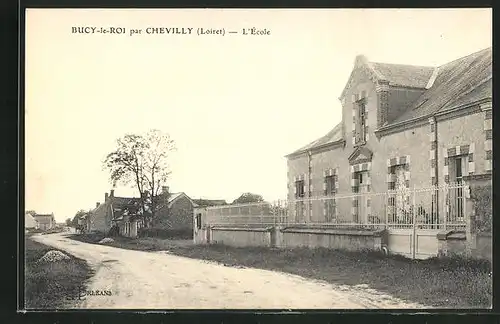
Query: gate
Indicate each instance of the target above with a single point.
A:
(414, 218)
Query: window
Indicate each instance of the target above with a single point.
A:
(460, 170)
(300, 189)
(299, 194)
(330, 185)
(361, 121)
(330, 206)
(198, 221)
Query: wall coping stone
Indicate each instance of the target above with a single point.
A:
(242, 229)
(451, 234)
(330, 231)
(457, 236)
(484, 176)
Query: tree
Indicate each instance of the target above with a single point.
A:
(31, 212)
(248, 198)
(68, 222)
(142, 162)
(79, 214)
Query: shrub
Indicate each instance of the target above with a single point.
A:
(481, 196)
(114, 231)
(166, 233)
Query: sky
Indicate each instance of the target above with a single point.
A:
(235, 104)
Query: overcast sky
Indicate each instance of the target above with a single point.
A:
(234, 104)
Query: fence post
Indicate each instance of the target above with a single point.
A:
(470, 229)
(414, 224)
(446, 197)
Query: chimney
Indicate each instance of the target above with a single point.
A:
(165, 189)
(382, 89)
(112, 193)
(97, 204)
(106, 196)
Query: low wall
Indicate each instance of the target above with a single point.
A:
(350, 240)
(451, 243)
(241, 237)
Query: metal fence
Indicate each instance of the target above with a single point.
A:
(426, 208)
(251, 215)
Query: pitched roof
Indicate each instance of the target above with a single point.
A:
(122, 206)
(174, 196)
(403, 75)
(394, 74)
(43, 215)
(335, 135)
(460, 82)
(29, 220)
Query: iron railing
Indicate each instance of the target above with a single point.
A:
(425, 208)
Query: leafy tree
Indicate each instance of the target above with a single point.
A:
(141, 161)
(68, 222)
(248, 198)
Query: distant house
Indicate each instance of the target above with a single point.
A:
(174, 212)
(115, 211)
(45, 221)
(30, 221)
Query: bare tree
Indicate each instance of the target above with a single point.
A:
(142, 162)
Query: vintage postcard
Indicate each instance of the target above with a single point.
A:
(258, 159)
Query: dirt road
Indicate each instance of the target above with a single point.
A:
(157, 280)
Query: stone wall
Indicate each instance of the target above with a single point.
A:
(282, 237)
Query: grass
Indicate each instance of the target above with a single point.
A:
(442, 283)
(52, 285)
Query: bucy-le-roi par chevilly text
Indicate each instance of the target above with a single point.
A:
(253, 31)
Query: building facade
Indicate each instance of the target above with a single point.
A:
(402, 126)
(176, 213)
(173, 212)
(45, 221)
(30, 221)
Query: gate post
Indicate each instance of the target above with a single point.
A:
(470, 229)
(446, 197)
